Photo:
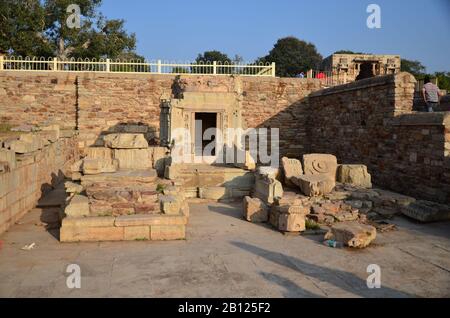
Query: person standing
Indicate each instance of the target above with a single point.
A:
(431, 94)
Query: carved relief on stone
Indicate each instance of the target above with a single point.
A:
(323, 164)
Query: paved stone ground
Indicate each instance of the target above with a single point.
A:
(225, 256)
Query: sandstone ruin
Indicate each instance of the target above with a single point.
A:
(117, 150)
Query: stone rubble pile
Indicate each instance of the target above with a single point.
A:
(314, 194)
(331, 195)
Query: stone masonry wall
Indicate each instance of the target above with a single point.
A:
(24, 178)
(38, 98)
(97, 102)
(280, 103)
(371, 122)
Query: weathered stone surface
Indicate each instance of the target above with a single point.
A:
(134, 158)
(352, 234)
(356, 175)
(78, 207)
(268, 172)
(99, 153)
(255, 210)
(55, 130)
(213, 193)
(75, 176)
(97, 166)
(123, 176)
(291, 168)
(125, 141)
(268, 189)
(20, 146)
(92, 221)
(291, 223)
(292, 198)
(150, 219)
(77, 166)
(321, 164)
(9, 157)
(91, 234)
(167, 232)
(72, 187)
(169, 205)
(314, 185)
(136, 233)
(294, 209)
(426, 211)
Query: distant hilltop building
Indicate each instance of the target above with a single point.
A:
(351, 65)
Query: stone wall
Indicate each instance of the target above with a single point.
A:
(372, 122)
(38, 98)
(97, 103)
(24, 178)
(280, 103)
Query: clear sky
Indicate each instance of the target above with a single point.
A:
(180, 29)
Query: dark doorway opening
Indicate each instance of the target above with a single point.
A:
(203, 122)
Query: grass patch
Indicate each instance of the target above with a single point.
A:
(160, 188)
(312, 225)
(142, 239)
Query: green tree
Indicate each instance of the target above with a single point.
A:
(33, 27)
(414, 67)
(443, 80)
(211, 56)
(293, 56)
(208, 58)
(22, 25)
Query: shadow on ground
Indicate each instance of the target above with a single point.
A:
(341, 279)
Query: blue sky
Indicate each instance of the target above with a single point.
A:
(180, 29)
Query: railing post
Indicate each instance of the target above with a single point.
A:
(159, 66)
(55, 64)
(1, 62)
(214, 67)
(273, 69)
(108, 65)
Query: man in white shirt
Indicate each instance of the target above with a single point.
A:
(431, 94)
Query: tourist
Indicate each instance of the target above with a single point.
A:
(431, 94)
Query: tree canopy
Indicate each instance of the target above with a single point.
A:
(293, 56)
(211, 56)
(40, 28)
(414, 67)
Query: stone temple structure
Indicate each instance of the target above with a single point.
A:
(115, 140)
(351, 64)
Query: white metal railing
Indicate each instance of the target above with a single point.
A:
(17, 63)
(328, 79)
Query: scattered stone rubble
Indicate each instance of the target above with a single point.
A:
(338, 197)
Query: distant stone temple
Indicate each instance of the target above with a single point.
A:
(351, 65)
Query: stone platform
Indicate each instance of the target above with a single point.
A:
(145, 227)
(212, 181)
